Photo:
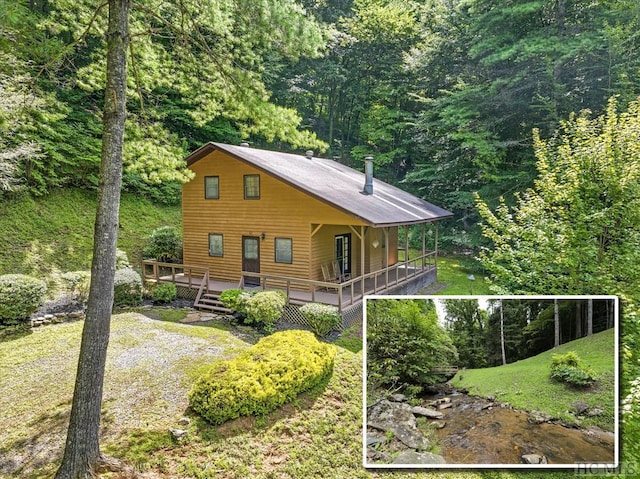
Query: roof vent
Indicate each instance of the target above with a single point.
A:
(244, 143)
(309, 154)
(368, 175)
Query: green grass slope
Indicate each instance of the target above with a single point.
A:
(56, 231)
(527, 384)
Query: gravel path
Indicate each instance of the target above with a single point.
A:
(150, 368)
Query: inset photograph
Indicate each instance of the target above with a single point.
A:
(491, 381)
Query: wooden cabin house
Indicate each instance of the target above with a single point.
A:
(254, 217)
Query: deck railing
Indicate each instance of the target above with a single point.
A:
(347, 292)
(168, 272)
(350, 291)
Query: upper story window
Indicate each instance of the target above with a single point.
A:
(251, 187)
(212, 187)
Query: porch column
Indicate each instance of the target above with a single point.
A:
(424, 247)
(435, 256)
(362, 258)
(385, 232)
(406, 251)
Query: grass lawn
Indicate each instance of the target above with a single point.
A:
(527, 384)
(454, 275)
(151, 365)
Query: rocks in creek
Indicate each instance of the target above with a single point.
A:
(397, 420)
(426, 412)
(385, 415)
(580, 408)
(397, 397)
(537, 417)
(412, 457)
(534, 459)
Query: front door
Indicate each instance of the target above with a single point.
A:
(343, 253)
(251, 258)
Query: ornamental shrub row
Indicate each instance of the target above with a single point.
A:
(20, 296)
(264, 377)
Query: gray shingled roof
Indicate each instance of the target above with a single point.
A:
(335, 184)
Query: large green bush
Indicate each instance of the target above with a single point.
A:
(20, 296)
(569, 368)
(321, 318)
(164, 244)
(127, 288)
(235, 299)
(404, 343)
(164, 293)
(265, 308)
(262, 378)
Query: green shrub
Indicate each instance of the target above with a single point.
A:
(20, 296)
(165, 244)
(321, 318)
(265, 308)
(76, 283)
(262, 378)
(164, 293)
(122, 260)
(568, 368)
(127, 288)
(231, 299)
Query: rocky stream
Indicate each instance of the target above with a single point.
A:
(471, 430)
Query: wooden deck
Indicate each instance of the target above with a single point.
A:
(344, 295)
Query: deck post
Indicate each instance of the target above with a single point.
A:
(362, 259)
(406, 252)
(424, 247)
(435, 256)
(385, 232)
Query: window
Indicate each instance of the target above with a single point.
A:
(212, 187)
(284, 250)
(251, 187)
(216, 244)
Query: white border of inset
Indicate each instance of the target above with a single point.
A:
(578, 467)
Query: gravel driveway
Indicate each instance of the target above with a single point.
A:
(150, 368)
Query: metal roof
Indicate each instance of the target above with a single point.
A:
(335, 184)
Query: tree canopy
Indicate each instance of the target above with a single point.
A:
(577, 230)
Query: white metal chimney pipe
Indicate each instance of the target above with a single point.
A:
(368, 175)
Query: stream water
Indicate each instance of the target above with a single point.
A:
(480, 432)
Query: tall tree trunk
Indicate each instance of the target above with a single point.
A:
(589, 317)
(556, 324)
(578, 319)
(504, 355)
(82, 450)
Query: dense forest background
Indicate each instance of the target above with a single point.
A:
(444, 93)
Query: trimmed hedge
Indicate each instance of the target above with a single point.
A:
(265, 308)
(164, 293)
(20, 296)
(321, 318)
(262, 378)
(127, 288)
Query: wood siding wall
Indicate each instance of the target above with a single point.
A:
(281, 211)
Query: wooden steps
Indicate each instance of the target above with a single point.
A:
(211, 302)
